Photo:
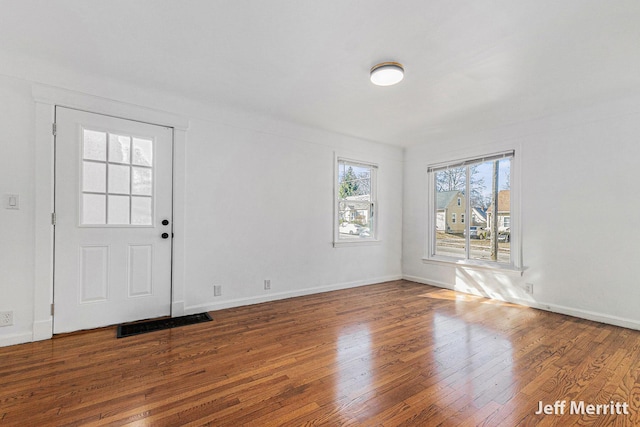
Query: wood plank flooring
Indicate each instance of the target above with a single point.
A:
(397, 353)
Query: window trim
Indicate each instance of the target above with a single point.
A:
(516, 264)
(374, 240)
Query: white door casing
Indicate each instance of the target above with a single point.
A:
(113, 190)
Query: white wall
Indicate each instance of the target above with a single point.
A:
(258, 203)
(576, 171)
(260, 206)
(16, 226)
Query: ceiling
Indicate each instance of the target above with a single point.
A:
(470, 64)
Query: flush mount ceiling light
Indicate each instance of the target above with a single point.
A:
(387, 74)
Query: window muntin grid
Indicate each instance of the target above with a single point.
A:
(117, 179)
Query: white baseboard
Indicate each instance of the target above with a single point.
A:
(42, 330)
(554, 308)
(423, 281)
(284, 295)
(14, 339)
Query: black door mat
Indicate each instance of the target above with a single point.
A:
(130, 329)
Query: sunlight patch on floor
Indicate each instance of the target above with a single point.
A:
(448, 295)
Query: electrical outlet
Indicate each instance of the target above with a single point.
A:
(12, 201)
(217, 290)
(267, 284)
(6, 318)
(528, 288)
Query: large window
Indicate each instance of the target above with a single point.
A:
(356, 201)
(480, 190)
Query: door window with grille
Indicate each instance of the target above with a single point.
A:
(117, 179)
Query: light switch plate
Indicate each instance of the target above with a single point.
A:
(12, 201)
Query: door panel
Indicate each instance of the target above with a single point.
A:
(113, 189)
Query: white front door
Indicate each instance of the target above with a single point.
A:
(113, 220)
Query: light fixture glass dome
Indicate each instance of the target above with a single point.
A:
(387, 74)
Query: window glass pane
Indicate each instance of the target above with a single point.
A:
(142, 181)
(119, 179)
(94, 145)
(93, 209)
(118, 210)
(354, 182)
(342, 169)
(107, 169)
(449, 233)
(490, 187)
(119, 148)
(141, 213)
(355, 191)
(142, 152)
(94, 177)
(355, 219)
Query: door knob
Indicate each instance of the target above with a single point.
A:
(165, 235)
(165, 222)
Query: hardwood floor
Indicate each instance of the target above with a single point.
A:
(397, 353)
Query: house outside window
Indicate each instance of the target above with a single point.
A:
(472, 188)
(356, 203)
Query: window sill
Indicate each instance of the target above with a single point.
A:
(363, 242)
(475, 265)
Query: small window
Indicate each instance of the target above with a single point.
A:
(356, 207)
(117, 179)
(459, 201)
(453, 218)
(462, 218)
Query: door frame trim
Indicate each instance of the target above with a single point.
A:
(46, 98)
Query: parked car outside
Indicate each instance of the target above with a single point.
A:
(348, 228)
(505, 235)
(476, 232)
